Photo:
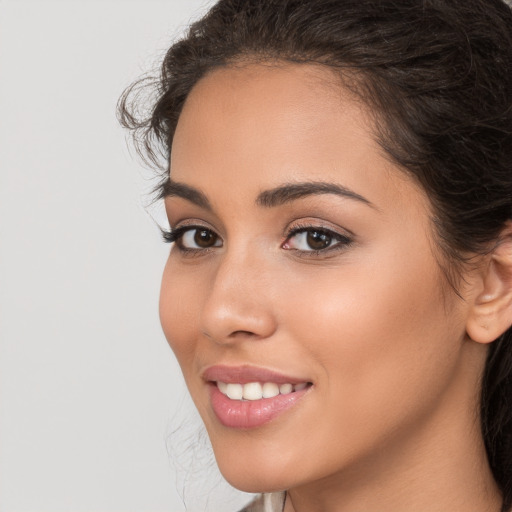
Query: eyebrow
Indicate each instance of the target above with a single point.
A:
(278, 196)
(292, 191)
(174, 189)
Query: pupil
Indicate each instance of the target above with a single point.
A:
(204, 238)
(318, 240)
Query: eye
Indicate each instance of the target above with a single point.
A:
(199, 239)
(193, 238)
(315, 240)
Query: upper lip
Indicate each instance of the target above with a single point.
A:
(245, 374)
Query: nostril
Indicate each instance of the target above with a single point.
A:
(242, 333)
(234, 334)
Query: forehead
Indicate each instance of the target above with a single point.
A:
(255, 126)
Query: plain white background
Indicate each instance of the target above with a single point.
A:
(89, 388)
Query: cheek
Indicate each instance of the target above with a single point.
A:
(179, 313)
(381, 334)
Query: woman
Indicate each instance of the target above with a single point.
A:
(339, 290)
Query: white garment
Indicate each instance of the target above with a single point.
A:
(272, 502)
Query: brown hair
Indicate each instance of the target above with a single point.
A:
(438, 75)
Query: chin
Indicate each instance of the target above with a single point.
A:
(253, 481)
(256, 467)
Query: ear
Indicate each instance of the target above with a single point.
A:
(491, 313)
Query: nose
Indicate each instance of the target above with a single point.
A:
(239, 306)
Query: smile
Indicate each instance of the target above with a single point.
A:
(245, 397)
(258, 390)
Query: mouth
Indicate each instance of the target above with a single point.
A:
(258, 390)
(249, 397)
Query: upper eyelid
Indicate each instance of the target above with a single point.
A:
(301, 229)
(190, 227)
(319, 226)
(186, 212)
(178, 231)
(192, 223)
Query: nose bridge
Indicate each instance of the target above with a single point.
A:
(238, 303)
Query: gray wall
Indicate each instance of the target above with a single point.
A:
(89, 388)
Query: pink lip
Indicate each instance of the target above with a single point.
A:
(245, 374)
(246, 414)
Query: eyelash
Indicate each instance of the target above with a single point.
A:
(176, 236)
(342, 241)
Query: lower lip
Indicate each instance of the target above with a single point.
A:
(245, 414)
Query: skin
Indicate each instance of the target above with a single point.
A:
(391, 421)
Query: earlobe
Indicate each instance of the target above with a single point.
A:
(491, 313)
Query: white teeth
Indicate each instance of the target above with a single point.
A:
(235, 391)
(253, 391)
(284, 389)
(256, 390)
(270, 390)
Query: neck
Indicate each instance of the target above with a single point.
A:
(440, 464)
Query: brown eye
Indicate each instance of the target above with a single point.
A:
(204, 238)
(197, 238)
(317, 240)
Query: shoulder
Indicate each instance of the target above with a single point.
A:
(273, 502)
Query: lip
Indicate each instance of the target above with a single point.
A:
(247, 414)
(245, 374)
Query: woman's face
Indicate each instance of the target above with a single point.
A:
(304, 262)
